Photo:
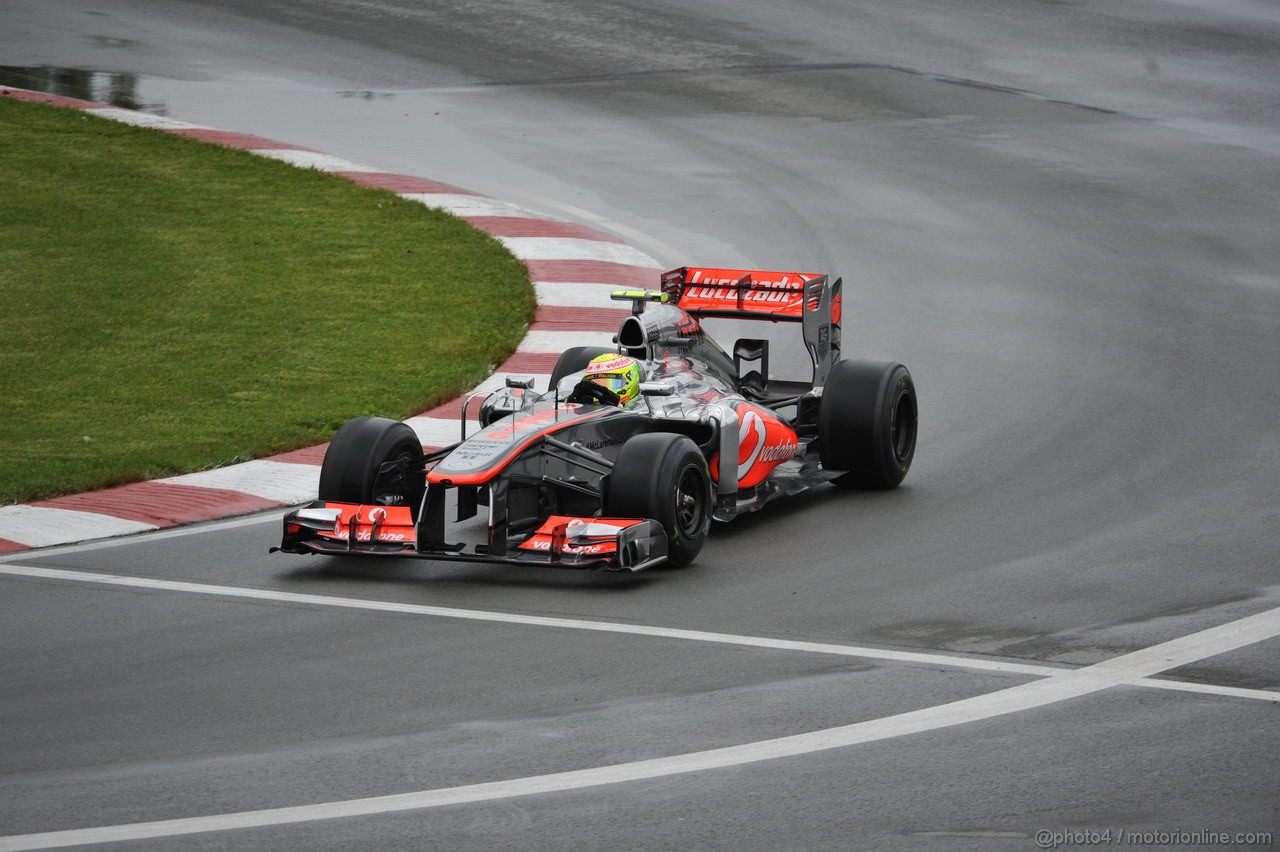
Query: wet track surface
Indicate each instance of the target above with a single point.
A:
(1060, 216)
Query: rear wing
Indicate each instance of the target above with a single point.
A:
(758, 294)
(706, 291)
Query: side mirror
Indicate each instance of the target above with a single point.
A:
(657, 388)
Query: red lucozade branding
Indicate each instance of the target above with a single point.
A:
(752, 291)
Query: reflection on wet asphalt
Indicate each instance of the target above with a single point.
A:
(116, 89)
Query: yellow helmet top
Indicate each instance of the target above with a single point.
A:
(618, 373)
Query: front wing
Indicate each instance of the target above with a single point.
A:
(340, 529)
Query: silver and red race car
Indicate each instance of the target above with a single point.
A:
(571, 478)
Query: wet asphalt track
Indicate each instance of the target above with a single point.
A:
(1060, 216)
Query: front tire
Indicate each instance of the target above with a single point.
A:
(664, 476)
(353, 468)
(867, 423)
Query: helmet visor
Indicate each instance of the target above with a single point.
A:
(615, 383)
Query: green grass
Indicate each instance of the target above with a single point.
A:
(169, 305)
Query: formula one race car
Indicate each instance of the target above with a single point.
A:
(623, 462)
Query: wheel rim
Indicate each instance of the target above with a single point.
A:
(392, 488)
(902, 428)
(690, 501)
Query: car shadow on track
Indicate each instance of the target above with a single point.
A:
(782, 511)
(344, 569)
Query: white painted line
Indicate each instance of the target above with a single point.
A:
(912, 657)
(1210, 689)
(570, 248)
(1136, 675)
(280, 481)
(40, 526)
(1129, 668)
(314, 160)
(559, 341)
(578, 295)
(473, 205)
(1196, 646)
(1060, 686)
(142, 119)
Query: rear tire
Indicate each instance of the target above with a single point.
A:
(664, 476)
(351, 469)
(867, 423)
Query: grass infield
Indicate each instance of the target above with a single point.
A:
(170, 305)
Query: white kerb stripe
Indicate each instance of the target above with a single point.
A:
(279, 481)
(142, 119)
(569, 248)
(314, 160)
(438, 431)
(472, 205)
(558, 341)
(579, 295)
(40, 526)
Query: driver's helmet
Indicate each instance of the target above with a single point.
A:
(618, 373)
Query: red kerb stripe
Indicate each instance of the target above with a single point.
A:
(530, 362)
(307, 455)
(45, 98)
(593, 272)
(401, 183)
(452, 410)
(559, 318)
(162, 505)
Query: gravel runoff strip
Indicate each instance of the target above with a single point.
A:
(573, 268)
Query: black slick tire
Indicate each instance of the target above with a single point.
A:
(867, 423)
(664, 476)
(352, 468)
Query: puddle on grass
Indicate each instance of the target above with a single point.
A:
(116, 89)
